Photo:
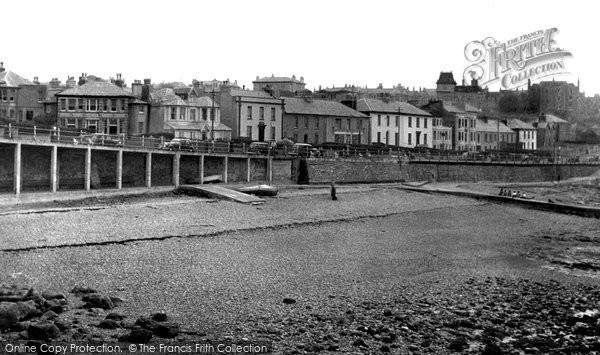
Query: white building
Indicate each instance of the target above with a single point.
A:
(397, 123)
(526, 134)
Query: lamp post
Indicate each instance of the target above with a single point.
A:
(212, 116)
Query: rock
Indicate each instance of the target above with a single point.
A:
(43, 331)
(53, 305)
(360, 342)
(9, 315)
(96, 300)
(108, 324)
(159, 317)
(139, 335)
(492, 349)
(27, 310)
(21, 326)
(146, 323)
(388, 313)
(289, 300)
(49, 315)
(385, 349)
(117, 301)
(78, 290)
(62, 325)
(49, 295)
(458, 344)
(167, 330)
(115, 316)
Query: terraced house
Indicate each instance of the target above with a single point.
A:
(397, 123)
(97, 106)
(313, 121)
(20, 99)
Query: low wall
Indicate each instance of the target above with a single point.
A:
(361, 170)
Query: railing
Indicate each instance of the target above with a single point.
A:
(374, 152)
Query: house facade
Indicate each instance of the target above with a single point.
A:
(318, 121)
(192, 119)
(256, 115)
(96, 106)
(397, 123)
(493, 134)
(442, 135)
(526, 135)
(20, 99)
(462, 120)
(279, 84)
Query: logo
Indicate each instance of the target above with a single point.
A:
(511, 64)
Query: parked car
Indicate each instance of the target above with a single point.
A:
(99, 139)
(179, 144)
(261, 148)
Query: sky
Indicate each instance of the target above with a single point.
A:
(328, 42)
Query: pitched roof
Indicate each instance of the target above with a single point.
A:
(251, 93)
(551, 118)
(493, 126)
(8, 78)
(516, 123)
(277, 79)
(167, 97)
(302, 106)
(446, 78)
(203, 101)
(372, 105)
(96, 88)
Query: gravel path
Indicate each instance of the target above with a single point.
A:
(376, 271)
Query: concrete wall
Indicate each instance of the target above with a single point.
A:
(162, 169)
(349, 170)
(71, 169)
(7, 155)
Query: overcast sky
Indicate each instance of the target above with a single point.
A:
(326, 42)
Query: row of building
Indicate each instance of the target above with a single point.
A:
(276, 108)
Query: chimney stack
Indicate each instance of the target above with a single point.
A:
(119, 82)
(1, 67)
(136, 89)
(36, 80)
(82, 79)
(146, 88)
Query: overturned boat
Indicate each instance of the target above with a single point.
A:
(259, 190)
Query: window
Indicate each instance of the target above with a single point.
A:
(11, 95)
(317, 123)
(316, 138)
(424, 122)
(249, 113)
(397, 120)
(409, 138)
(349, 122)
(388, 121)
(338, 123)
(182, 113)
(305, 138)
(379, 120)
(378, 137)
(387, 136)
(3, 95)
(29, 115)
(3, 113)
(409, 122)
(71, 122)
(80, 104)
(192, 114)
(71, 104)
(261, 113)
(140, 127)
(272, 133)
(273, 114)
(296, 122)
(11, 113)
(425, 138)
(124, 105)
(418, 122)
(173, 113)
(295, 137)
(306, 122)
(113, 105)
(63, 104)
(92, 126)
(249, 132)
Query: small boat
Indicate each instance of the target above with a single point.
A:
(259, 190)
